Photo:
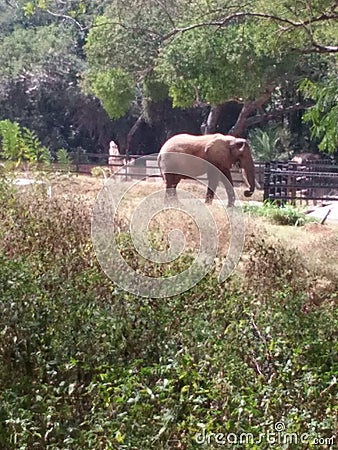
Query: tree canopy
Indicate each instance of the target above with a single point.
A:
(324, 114)
(208, 52)
(65, 66)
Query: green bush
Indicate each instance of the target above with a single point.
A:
(100, 172)
(280, 215)
(84, 365)
(21, 144)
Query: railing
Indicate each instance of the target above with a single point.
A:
(140, 167)
(291, 181)
(280, 181)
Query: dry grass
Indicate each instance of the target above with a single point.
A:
(307, 238)
(304, 259)
(89, 186)
(316, 244)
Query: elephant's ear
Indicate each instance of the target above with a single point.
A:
(238, 144)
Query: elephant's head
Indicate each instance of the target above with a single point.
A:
(240, 152)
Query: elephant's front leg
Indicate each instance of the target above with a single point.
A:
(212, 186)
(229, 187)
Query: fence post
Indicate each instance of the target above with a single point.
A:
(77, 160)
(292, 180)
(267, 176)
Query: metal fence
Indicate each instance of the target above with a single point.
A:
(280, 181)
(139, 167)
(288, 182)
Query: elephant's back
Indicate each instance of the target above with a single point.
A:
(186, 143)
(175, 155)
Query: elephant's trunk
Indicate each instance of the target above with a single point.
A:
(248, 166)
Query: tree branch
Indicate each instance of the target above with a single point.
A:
(10, 4)
(277, 113)
(318, 48)
(65, 16)
(311, 20)
(243, 15)
(128, 28)
(248, 108)
(162, 5)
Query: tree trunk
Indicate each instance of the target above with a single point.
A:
(132, 133)
(210, 126)
(249, 107)
(240, 126)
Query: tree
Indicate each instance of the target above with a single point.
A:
(239, 52)
(38, 67)
(41, 60)
(142, 55)
(77, 13)
(324, 114)
(38, 52)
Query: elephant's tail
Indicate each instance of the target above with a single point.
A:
(159, 164)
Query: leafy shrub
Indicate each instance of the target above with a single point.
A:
(100, 172)
(53, 233)
(269, 144)
(270, 267)
(280, 215)
(21, 145)
(84, 365)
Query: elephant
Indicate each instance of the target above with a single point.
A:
(222, 151)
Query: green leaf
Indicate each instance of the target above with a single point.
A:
(29, 8)
(114, 88)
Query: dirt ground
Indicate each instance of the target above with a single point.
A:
(317, 244)
(89, 187)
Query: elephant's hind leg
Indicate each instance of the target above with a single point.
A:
(212, 186)
(171, 181)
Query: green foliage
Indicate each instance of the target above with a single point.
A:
(211, 60)
(115, 88)
(281, 215)
(216, 66)
(41, 61)
(84, 365)
(29, 8)
(100, 172)
(192, 51)
(33, 150)
(324, 115)
(10, 139)
(78, 13)
(63, 157)
(129, 52)
(153, 89)
(38, 51)
(21, 145)
(267, 145)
